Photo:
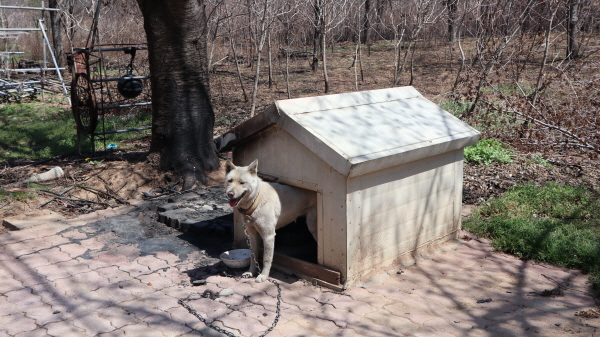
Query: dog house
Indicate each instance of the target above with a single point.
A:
(386, 167)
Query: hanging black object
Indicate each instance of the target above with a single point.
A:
(128, 86)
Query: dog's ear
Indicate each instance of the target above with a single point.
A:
(229, 166)
(253, 168)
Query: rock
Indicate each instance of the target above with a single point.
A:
(198, 282)
(226, 292)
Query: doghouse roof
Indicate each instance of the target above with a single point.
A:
(362, 132)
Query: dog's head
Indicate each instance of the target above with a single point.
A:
(241, 182)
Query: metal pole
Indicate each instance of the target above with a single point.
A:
(55, 63)
(43, 54)
(32, 8)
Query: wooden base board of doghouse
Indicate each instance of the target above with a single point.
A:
(311, 272)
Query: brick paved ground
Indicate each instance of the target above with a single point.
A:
(57, 280)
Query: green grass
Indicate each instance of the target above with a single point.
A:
(455, 108)
(39, 131)
(553, 224)
(15, 195)
(487, 151)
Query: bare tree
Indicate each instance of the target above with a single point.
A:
(265, 12)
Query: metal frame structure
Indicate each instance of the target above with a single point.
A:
(94, 94)
(10, 87)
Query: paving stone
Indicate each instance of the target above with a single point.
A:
(6, 307)
(73, 249)
(139, 309)
(70, 306)
(166, 325)
(363, 295)
(315, 325)
(92, 279)
(23, 298)
(17, 323)
(43, 314)
(415, 315)
(341, 318)
(373, 330)
(398, 324)
(55, 255)
(427, 332)
(168, 257)
(117, 316)
(10, 284)
(156, 281)
(245, 325)
(93, 264)
(34, 333)
(152, 262)
(113, 274)
(135, 287)
(110, 295)
(347, 333)
(55, 240)
(348, 304)
(73, 267)
(63, 329)
(141, 329)
(52, 272)
(293, 329)
(134, 269)
(26, 220)
(160, 300)
(93, 324)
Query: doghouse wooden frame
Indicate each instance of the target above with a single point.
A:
(386, 165)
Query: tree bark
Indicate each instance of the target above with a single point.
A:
(452, 7)
(573, 27)
(364, 37)
(182, 114)
(318, 8)
(57, 44)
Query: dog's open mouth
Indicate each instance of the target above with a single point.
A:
(234, 201)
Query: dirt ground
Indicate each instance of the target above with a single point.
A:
(90, 185)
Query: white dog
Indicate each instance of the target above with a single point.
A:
(267, 207)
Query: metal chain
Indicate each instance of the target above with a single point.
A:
(211, 295)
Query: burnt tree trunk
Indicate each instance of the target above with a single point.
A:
(182, 114)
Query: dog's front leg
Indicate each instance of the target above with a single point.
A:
(269, 248)
(253, 237)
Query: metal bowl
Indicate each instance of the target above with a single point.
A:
(237, 258)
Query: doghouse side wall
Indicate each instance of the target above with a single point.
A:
(396, 211)
(282, 156)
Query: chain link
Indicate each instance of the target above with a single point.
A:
(211, 295)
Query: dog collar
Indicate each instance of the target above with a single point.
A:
(248, 211)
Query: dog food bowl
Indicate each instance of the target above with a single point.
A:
(237, 258)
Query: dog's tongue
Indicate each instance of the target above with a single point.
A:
(234, 202)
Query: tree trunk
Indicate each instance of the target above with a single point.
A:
(364, 37)
(182, 114)
(572, 48)
(318, 7)
(57, 44)
(452, 6)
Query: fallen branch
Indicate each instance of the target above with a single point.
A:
(61, 193)
(78, 199)
(93, 190)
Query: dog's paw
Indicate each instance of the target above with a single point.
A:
(261, 278)
(247, 274)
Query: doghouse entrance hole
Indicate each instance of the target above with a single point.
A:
(295, 240)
